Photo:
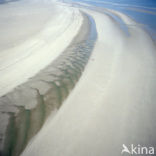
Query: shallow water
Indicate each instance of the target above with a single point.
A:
(142, 11)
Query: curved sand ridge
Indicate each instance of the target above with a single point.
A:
(24, 110)
(32, 33)
(36, 50)
(114, 101)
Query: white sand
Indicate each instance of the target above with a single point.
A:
(114, 101)
(32, 35)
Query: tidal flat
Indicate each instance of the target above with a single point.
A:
(28, 106)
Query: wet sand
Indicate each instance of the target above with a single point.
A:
(26, 108)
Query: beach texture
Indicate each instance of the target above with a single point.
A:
(78, 81)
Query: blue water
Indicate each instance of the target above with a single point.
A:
(145, 3)
(142, 11)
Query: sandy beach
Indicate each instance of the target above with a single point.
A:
(79, 81)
